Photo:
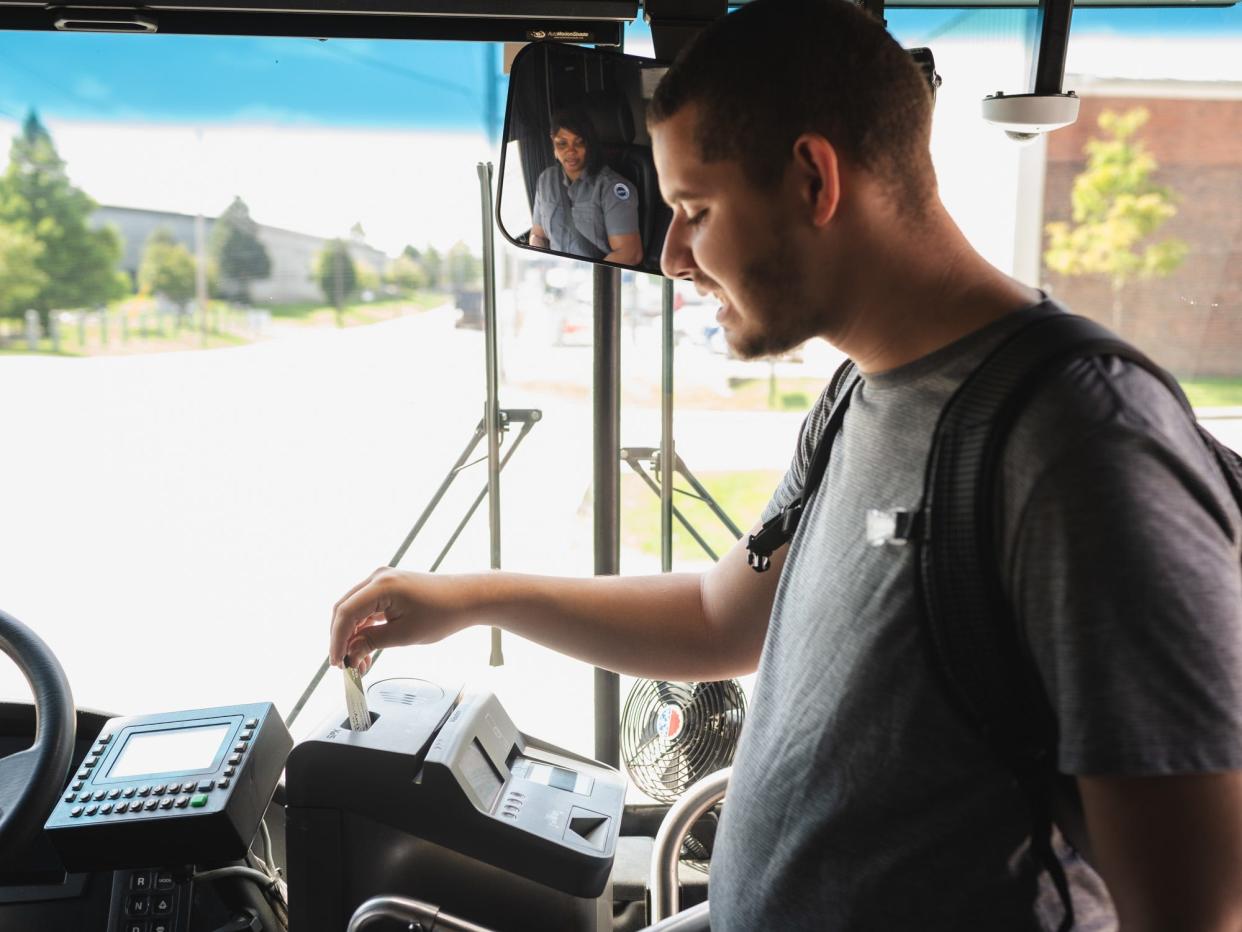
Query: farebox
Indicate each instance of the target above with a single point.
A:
(442, 799)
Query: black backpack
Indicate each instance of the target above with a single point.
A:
(974, 641)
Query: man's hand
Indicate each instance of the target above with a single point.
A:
(392, 607)
(1169, 849)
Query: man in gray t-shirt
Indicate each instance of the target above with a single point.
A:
(803, 198)
(854, 766)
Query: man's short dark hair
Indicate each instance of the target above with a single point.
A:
(776, 69)
(578, 123)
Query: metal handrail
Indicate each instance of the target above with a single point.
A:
(423, 917)
(664, 886)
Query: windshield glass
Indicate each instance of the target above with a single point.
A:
(241, 345)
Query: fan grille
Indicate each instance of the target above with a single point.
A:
(674, 734)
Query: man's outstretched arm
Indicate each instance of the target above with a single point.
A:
(679, 626)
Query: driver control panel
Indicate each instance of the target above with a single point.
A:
(177, 788)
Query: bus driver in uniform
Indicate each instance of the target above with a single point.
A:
(583, 207)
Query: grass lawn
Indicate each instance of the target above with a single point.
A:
(1213, 393)
(742, 495)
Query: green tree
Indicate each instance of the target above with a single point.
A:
(21, 279)
(167, 269)
(433, 265)
(239, 254)
(1117, 208)
(337, 276)
(463, 269)
(78, 263)
(406, 273)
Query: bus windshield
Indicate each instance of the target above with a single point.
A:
(241, 334)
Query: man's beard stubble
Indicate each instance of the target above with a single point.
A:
(785, 314)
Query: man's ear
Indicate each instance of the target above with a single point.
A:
(818, 176)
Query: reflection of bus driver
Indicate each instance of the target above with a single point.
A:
(583, 207)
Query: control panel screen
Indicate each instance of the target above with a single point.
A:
(176, 750)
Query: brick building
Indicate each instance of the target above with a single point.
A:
(1190, 321)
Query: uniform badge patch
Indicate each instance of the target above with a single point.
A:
(621, 191)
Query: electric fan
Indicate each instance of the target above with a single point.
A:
(674, 734)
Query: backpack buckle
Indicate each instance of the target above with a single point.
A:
(776, 532)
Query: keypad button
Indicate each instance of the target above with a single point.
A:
(174, 789)
(122, 807)
(100, 794)
(166, 802)
(114, 794)
(105, 808)
(105, 738)
(183, 801)
(77, 786)
(252, 723)
(239, 747)
(247, 734)
(229, 771)
(161, 925)
(89, 763)
(235, 760)
(96, 754)
(128, 792)
(158, 790)
(206, 786)
(162, 905)
(150, 804)
(77, 811)
(223, 784)
(144, 791)
(138, 905)
(164, 879)
(199, 801)
(135, 925)
(136, 807)
(84, 774)
(92, 809)
(71, 797)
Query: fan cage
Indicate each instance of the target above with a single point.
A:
(674, 734)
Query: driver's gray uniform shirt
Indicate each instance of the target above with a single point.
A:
(859, 799)
(579, 216)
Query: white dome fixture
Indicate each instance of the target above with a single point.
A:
(1023, 117)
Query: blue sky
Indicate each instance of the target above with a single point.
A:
(377, 84)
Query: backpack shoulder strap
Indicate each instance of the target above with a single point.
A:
(971, 633)
(779, 529)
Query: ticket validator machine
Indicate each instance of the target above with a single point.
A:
(442, 799)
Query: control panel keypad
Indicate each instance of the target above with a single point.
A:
(149, 901)
(137, 799)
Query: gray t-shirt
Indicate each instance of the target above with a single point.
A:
(860, 799)
(579, 216)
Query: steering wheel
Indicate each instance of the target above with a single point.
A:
(31, 780)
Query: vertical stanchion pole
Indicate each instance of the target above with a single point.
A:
(668, 455)
(607, 487)
(491, 409)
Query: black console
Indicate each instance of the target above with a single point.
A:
(177, 788)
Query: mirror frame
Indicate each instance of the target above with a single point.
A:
(664, 214)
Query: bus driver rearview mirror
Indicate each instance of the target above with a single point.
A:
(577, 176)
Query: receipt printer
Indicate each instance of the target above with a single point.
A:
(442, 799)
